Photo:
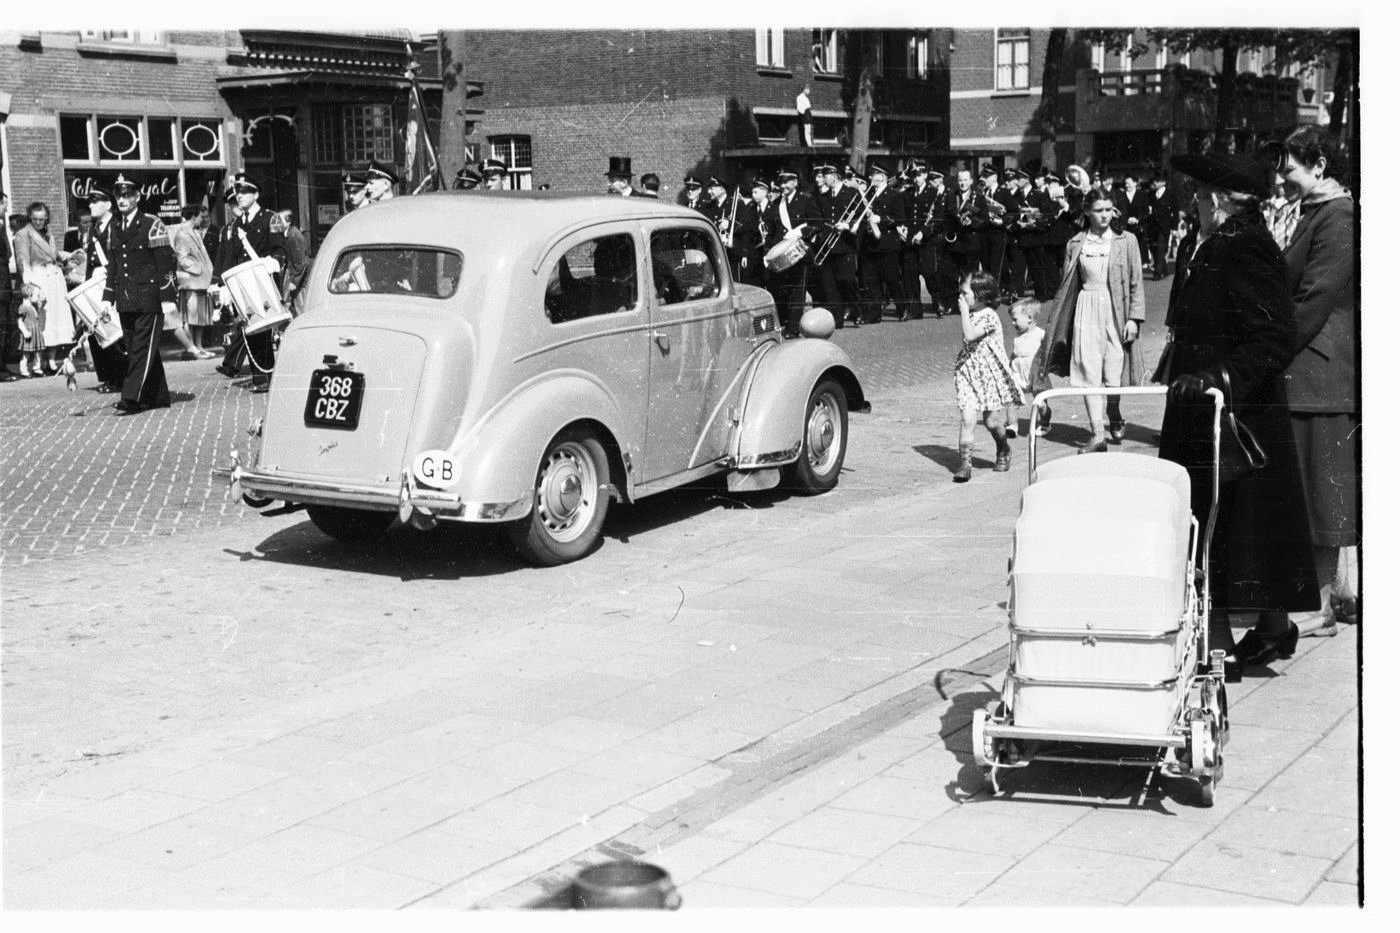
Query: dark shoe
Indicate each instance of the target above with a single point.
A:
(1003, 463)
(964, 470)
(1097, 445)
(1256, 650)
(1346, 611)
(1115, 432)
(258, 388)
(225, 371)
(127, 408)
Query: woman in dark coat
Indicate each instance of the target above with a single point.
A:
(1233, 327)
(1321, 379)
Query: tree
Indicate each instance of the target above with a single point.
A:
(452, 129)
(858, 89)
(1048, 113)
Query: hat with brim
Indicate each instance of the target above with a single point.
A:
(714, 183)
(760, 183)
(98, 194)
(242, 183)
(493, 167)
(1233, 172)
(619, 166)
(378, 170)
(786, 174)
(876, 167)
(353, 180)
(826, 170)
(122, 185)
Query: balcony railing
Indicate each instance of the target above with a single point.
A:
(1250, 88)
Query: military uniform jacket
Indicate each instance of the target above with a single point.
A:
(141, 265)
(833, 207)
(890, 206)
(801, 211)
(261, 239)
(717, 212)
(748, 235)
(924, 214)
(1038, 232)
(95, 245)
(963, 237)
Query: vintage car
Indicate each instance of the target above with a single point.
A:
(524, 358)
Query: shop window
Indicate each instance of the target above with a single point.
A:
(515, 152)
(1013, 64)
(119, 139)
(326, 142)
(201, 140)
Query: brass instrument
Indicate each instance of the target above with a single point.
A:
(728, 236)
(964, 217)
(852, 216)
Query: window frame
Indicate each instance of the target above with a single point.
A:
(706, 243)
(916, 58)
(1021, 40)
(180, 125)
(829, 40)
(357, 250)
(149, 38)
(507, 147)
(555, 317)
(768, 49)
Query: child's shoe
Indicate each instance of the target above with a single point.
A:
(964, 470)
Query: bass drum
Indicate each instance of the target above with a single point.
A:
(786, 254)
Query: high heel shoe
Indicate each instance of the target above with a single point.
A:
(1256, 650)
(1096, 445)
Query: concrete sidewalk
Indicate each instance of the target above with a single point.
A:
(770, 699)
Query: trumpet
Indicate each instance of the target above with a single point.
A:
(852, 216)
(964, 218)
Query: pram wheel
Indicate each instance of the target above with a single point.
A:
(1207, 759)
(984, 747)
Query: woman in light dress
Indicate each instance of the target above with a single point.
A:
(39, 262)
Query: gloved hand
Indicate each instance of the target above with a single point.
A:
(1191, 387)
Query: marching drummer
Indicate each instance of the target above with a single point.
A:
(141, 288)
(785, 219)
(109, 363)
(254, 238)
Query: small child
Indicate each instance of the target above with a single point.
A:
(982, 374)
(31, 330)
(1024, 347)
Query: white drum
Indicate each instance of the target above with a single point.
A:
(786, 254)
(254, 295)
(86, 300)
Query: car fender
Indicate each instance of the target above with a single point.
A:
(775, 400)
(497, 456)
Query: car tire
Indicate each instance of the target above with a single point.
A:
(570, 502)
(818, 464)
(353, 526)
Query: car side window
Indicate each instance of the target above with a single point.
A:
(683, 266)
(595, 277)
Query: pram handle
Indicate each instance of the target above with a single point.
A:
(1216, 395)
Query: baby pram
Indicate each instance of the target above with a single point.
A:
(1108, 614)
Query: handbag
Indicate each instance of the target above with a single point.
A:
(1240, 451)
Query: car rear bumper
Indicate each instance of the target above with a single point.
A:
(376, 496)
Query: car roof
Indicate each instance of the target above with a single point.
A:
(487, 222)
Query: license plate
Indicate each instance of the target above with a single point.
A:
(334, 399)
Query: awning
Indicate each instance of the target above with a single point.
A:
(259, 80)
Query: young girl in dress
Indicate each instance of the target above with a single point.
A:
(1024, 346)
(982, 374)
(31, 330)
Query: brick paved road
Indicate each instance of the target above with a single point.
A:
(74, 477)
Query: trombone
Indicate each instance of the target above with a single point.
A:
(728, 236)
(852, 216)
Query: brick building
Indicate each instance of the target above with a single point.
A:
(1115, 113)
(558, 104)
(179, 112)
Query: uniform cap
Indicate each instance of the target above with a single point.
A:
(692, 182)
(493, 165)
(241, 182)
(784, 174)
(379, 169)
(760, 183)
(121, 183)
(714, 182)
(96, 194)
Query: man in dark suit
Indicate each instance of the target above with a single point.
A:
(8, 323)
(141, 287)
(1137, 212)
(719, 210)
(651, 185)
(227, 253)
(921, 250)
(964, 215)
(993, 236)
(750, 234)
(691, 195)
(1035, 239)
(889, 215)
(254, 237)
(1161, 222)
(788, 217)
(109, 364)
(839, 288)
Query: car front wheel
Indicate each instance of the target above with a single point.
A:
(350, 525)
(571, 501)
(823, 441)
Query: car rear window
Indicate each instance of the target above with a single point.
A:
(397, 270)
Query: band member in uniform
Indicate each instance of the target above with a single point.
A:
(691, 195)
(352, 186)
(109, 364)
(141, 288)
(380, 181)
(225, 257)
(254, 236)
(1035, 239)
(493, 174)
(786, 217)
(992, 239)
(1137, 212)
(925, 240)
(1160, 224)
(868, 301)
(839, 205)
(466, 179)
(651, 186)
(620, 176)
(964, 215)
(750, 234)
(889, 225)
(1017, 186)
(720, 210)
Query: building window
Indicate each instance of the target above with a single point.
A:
(125, 36)
(769, 47)
(75, 137)
(916, 56)
(369, 133)
(1013, 60)
(326, 144)
(771, 127)
(829, 130)
(1161, 60)
(1251, 61)
(1097, 54)
(514, 151)
(826, 52)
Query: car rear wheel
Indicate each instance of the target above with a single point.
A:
(823, 441)
(350, 525)
(571, 501)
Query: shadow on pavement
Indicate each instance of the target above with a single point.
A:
(948, 457)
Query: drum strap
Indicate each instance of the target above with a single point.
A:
(783, 213)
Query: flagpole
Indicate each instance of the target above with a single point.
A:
(434, 173)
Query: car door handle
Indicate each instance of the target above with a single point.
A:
(662, 341)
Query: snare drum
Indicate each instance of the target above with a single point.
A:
(86, 300)
(786, 254)
(254, 295)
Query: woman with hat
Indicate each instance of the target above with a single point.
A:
(1233, 330)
